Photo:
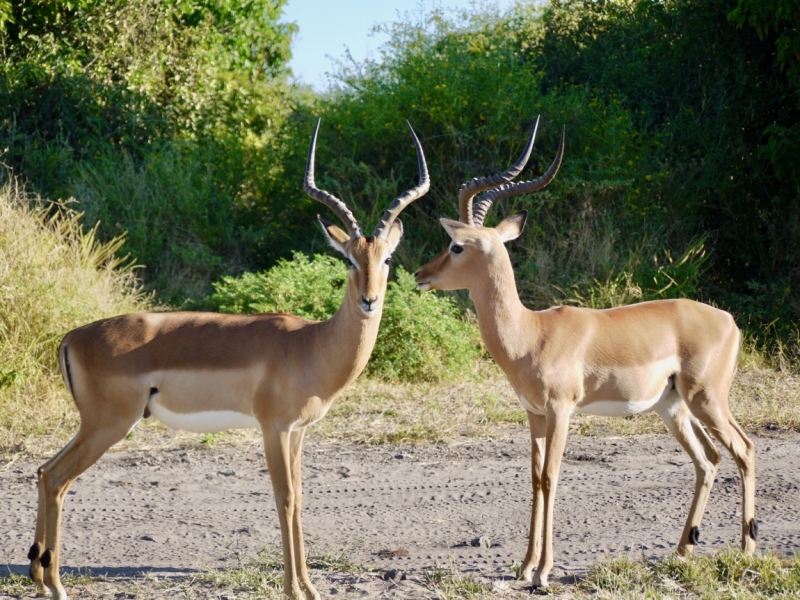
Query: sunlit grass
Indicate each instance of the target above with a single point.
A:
(54, 276)
(728, 574)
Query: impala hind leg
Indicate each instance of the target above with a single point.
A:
(55, 478)
(538, 427)
(277, 447)
(37, 549)
(555, 441)
(717, 418)
(296, 451)
(693, 438)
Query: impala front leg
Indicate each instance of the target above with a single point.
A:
(538, 427)
(556, 439)
(296, 443)
(277, 449)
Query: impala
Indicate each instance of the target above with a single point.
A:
(207, 372)
(675, 356)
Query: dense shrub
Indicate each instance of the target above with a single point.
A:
(680, 127)
(142, 108)
(422, 336)
(720, 111)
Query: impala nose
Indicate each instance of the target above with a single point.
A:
(368, 301)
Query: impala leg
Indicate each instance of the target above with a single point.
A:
(296, 448)
(277, 447)
(556, 439)
(55, 478)
(538, 427)
(717, 418)
(37, 549)
(693, 438)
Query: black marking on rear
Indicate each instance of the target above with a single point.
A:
(754, 529)
(694, 535)
(47, 558)
(69, 372)
(147, 413)
(35, 551)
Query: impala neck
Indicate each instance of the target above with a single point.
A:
(501, 315)
(353, 335)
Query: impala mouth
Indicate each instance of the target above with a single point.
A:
(424, 286)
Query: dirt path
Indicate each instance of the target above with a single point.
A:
(181, 510)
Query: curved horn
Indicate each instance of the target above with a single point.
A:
(328, 199)
(477, 185)
(486, 200)
(406, 198)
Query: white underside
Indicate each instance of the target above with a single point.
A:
(617, 408)
(609, 408)
(210, 421)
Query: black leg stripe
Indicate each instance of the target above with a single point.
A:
(694, 535)
(47, 558)
(754, 529)
(35, 551)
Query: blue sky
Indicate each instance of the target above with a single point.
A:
(328, 27)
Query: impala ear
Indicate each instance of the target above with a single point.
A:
(395, 233)
(336, 237)
(452, 227)
(511, 227)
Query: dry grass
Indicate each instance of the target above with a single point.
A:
(53, 277)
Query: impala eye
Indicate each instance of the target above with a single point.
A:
(387, 261)
(350, 264)
(456, 249)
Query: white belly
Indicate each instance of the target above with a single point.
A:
(210, 421)
(618, 408)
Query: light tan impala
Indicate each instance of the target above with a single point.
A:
(675, 356)
(208, 372)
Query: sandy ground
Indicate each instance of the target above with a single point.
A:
(178, 511)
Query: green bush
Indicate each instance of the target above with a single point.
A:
(422, 336)
(312, 289)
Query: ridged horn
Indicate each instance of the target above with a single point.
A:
(486, 199)
(328, 199)
(407, 197)
(480, 184)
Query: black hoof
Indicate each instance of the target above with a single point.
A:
(694, 535)
(47, 558)
(35, 551)
(754, 529)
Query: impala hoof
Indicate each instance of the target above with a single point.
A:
(539, 581)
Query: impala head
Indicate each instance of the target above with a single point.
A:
(474, 248)
(367, 258)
